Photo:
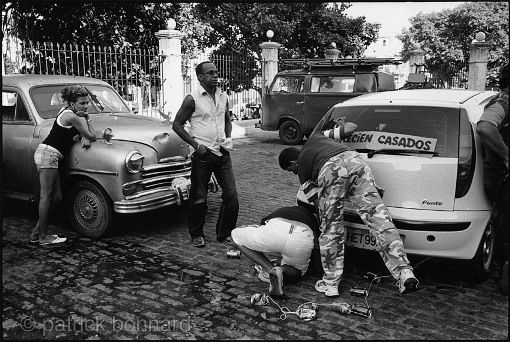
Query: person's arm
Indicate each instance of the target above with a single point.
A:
(228, 123)
(184, 114)
(492, 140)
(82, 122)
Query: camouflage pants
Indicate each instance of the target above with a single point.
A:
(346, 176)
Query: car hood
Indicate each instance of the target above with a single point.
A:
(138, 129)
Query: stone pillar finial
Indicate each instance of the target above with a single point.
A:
(171, 68)
(478, 59)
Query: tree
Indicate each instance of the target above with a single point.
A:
(446, 37)
(303, 29)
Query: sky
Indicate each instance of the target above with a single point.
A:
(393, 16)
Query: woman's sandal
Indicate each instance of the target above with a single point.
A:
(36, 240)
(57, 240)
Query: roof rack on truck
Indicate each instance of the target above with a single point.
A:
(353, 63)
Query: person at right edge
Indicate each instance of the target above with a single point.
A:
(206, 109)
(340, 174)
(494, 130)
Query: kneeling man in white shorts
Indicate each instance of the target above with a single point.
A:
(289, 231)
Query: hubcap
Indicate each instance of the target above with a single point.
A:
(87, 207)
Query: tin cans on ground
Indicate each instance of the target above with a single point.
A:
(234, 254)
(342, 308)
(259, 299)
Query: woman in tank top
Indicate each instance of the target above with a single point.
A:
(72, 120)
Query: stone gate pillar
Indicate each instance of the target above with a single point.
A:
(171, 70)
(269, 62)
(478, 58)
(416, 59)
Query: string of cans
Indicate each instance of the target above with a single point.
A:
(308, 310)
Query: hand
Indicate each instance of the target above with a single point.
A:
(85, 143)
(82, 114)
(201, 149)
(228, 144)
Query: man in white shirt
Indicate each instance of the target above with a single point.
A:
(206, 109)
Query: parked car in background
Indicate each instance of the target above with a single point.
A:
(139, 165)
(424, 151)
(297, 99)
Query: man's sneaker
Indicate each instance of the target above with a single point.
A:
(276, 282)
(199, 241)
(407, 282)
(328, 290)
(262, 274)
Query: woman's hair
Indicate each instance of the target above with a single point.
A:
(72, 93)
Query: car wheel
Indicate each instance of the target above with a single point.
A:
(478, 268)
(290, 133)
(89, 208)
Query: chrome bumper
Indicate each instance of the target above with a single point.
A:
(155, 199)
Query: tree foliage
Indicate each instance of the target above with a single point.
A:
(114, 23)
(446, 37)
(303, 29)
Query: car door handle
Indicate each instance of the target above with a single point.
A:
(300, 102)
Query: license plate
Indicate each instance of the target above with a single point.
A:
(360, 238)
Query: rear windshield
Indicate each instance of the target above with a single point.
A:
(437, 123)
(48, 101)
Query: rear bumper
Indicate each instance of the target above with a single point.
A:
(421, 238)
(151, 200)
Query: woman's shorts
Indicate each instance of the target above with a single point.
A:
(47, 157)
(295, 245)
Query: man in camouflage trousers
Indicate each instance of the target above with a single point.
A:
(340, 174)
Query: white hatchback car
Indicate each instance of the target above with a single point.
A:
(424, 151)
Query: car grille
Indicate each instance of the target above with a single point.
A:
(158, 176)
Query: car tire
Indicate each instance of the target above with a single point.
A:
(290, 133)
(478, 268)
(90, 209)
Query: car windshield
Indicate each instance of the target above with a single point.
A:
(48, 101)
(391, 124)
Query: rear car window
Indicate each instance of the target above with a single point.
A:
(441, 124)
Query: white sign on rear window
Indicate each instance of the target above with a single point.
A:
(374, 140)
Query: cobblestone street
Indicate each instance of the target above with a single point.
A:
(146, 280)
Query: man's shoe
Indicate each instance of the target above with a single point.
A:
(328, 290)
(199, 241)
(407, 282)
(228, 239)
(276, 282)
(504, 278)
(262, 274)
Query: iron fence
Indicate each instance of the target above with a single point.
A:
(134, 73)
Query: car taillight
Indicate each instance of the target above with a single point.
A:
(467, 156)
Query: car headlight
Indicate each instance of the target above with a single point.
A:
(134, 161)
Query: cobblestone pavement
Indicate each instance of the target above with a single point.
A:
(146, 281)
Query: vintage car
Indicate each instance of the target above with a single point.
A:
(139, 164)
(423, 149)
